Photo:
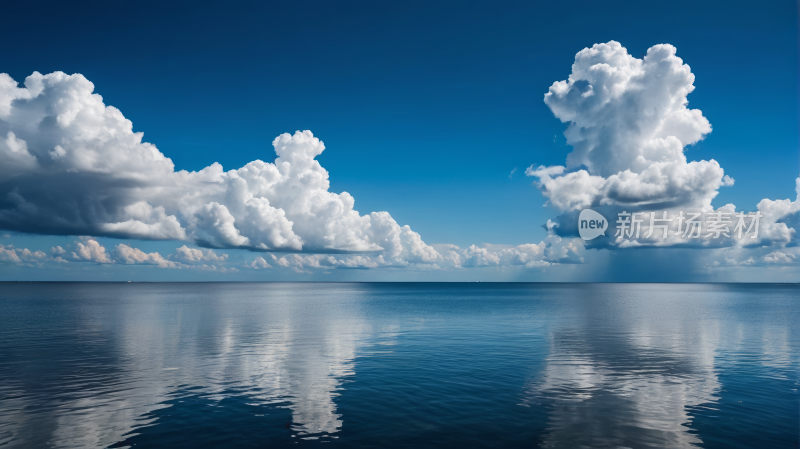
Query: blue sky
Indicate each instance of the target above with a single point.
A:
(424, 109)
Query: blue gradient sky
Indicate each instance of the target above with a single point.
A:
(425, 108)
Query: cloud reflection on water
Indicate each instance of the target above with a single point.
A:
(294, 354)
(622, 378)
(95, 365)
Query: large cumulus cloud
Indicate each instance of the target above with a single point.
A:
(629, 125)
(73, 165)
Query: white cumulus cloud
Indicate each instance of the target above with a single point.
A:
(192, 255)
(779, 257)
(629, 124)
(90, 250)
(128, 255)
(258, 264)
(8, 253)
(73, 165)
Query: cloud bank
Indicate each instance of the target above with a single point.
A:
(72, 165)
(88, 249)
(553, 251)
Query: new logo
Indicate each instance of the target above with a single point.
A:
(591, 224)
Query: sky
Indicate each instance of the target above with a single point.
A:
(433, 118)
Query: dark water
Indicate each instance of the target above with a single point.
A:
(399, 365)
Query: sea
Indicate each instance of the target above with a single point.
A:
(399, 365)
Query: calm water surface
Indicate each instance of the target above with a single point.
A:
(399, 365)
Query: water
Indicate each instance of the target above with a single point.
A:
(399, 365)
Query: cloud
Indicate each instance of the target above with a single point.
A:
(126, 254)
(629, 124)
(72, 165)
(186, 254)
(20, 255)
(184, 257)
(753, 257)
(778, 257)
(554, 250)
(781, 217)
(8, 254)
(26, 257)
(258, 264)
(89, 250)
